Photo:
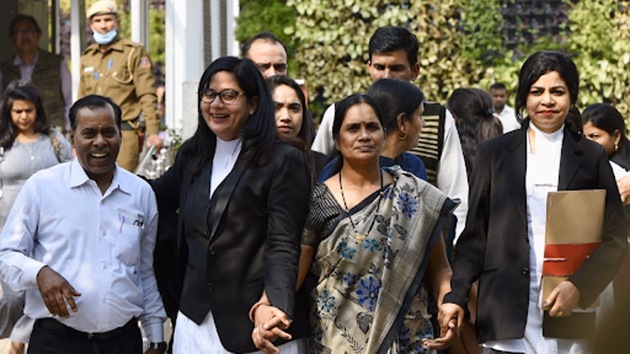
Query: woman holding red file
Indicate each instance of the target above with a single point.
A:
(503, 244)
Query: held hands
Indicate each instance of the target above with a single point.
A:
(451, 318)
(56, 291)
(562, 300)
(269, 324)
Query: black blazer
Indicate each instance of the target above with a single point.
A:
(494, 246)
(244, 240)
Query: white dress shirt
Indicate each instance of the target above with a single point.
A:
(508, 119)
(452, 178)
(541, 177)
(618, 171)
(225, 156)
(102, 244)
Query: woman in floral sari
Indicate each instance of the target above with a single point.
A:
(373, 246)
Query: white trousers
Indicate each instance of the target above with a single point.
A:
(191, 338)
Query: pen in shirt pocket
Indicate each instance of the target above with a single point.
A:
(122, 222)
(109, 64)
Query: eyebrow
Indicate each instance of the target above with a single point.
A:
(551, 88)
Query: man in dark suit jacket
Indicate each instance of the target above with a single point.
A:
(495, 249)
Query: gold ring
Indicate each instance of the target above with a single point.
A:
(560, 313)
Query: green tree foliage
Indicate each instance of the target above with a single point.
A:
(460, 45)
(267, 15)
(600, 44)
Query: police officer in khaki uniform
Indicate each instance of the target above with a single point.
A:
(121, 69)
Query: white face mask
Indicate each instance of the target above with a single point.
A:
(105, 38)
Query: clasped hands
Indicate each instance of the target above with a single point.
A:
(270, 323)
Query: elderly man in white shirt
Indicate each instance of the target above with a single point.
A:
(79, 240)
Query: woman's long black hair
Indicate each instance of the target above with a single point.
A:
(25, 91)
(472, 109)
(607, 118)
(307, 129)
(258, 133)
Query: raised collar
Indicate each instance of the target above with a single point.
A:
(553, 137)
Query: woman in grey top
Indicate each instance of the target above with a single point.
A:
(27, 145)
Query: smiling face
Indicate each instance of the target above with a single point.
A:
(96, 141)
(226, 119)
(289, 110)
(548, 102)
(361, 136)
(23, 115)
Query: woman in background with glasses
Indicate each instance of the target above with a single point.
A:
(242, 196)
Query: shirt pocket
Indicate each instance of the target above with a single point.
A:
(120, 74)
(128, 239)
(88, 78)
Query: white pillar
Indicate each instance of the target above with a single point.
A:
(233, 10)
(140, 22)
(184, 62)
(215, 29)
(77, 42)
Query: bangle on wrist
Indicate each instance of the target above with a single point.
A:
(252, 312)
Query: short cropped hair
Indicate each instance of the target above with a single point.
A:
(498, 86)
(20, 18)
(94, 101)
(392, 38)
(264, 36)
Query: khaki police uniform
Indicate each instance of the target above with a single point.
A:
(123, 73)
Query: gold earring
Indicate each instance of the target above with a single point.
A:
(616, 146)
(402, 136)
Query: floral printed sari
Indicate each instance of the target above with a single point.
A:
(368, 296)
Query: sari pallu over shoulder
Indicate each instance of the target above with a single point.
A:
(368, 296)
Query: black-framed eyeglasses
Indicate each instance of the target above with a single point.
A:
(226, 96)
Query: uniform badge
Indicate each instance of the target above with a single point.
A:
(145, 62)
